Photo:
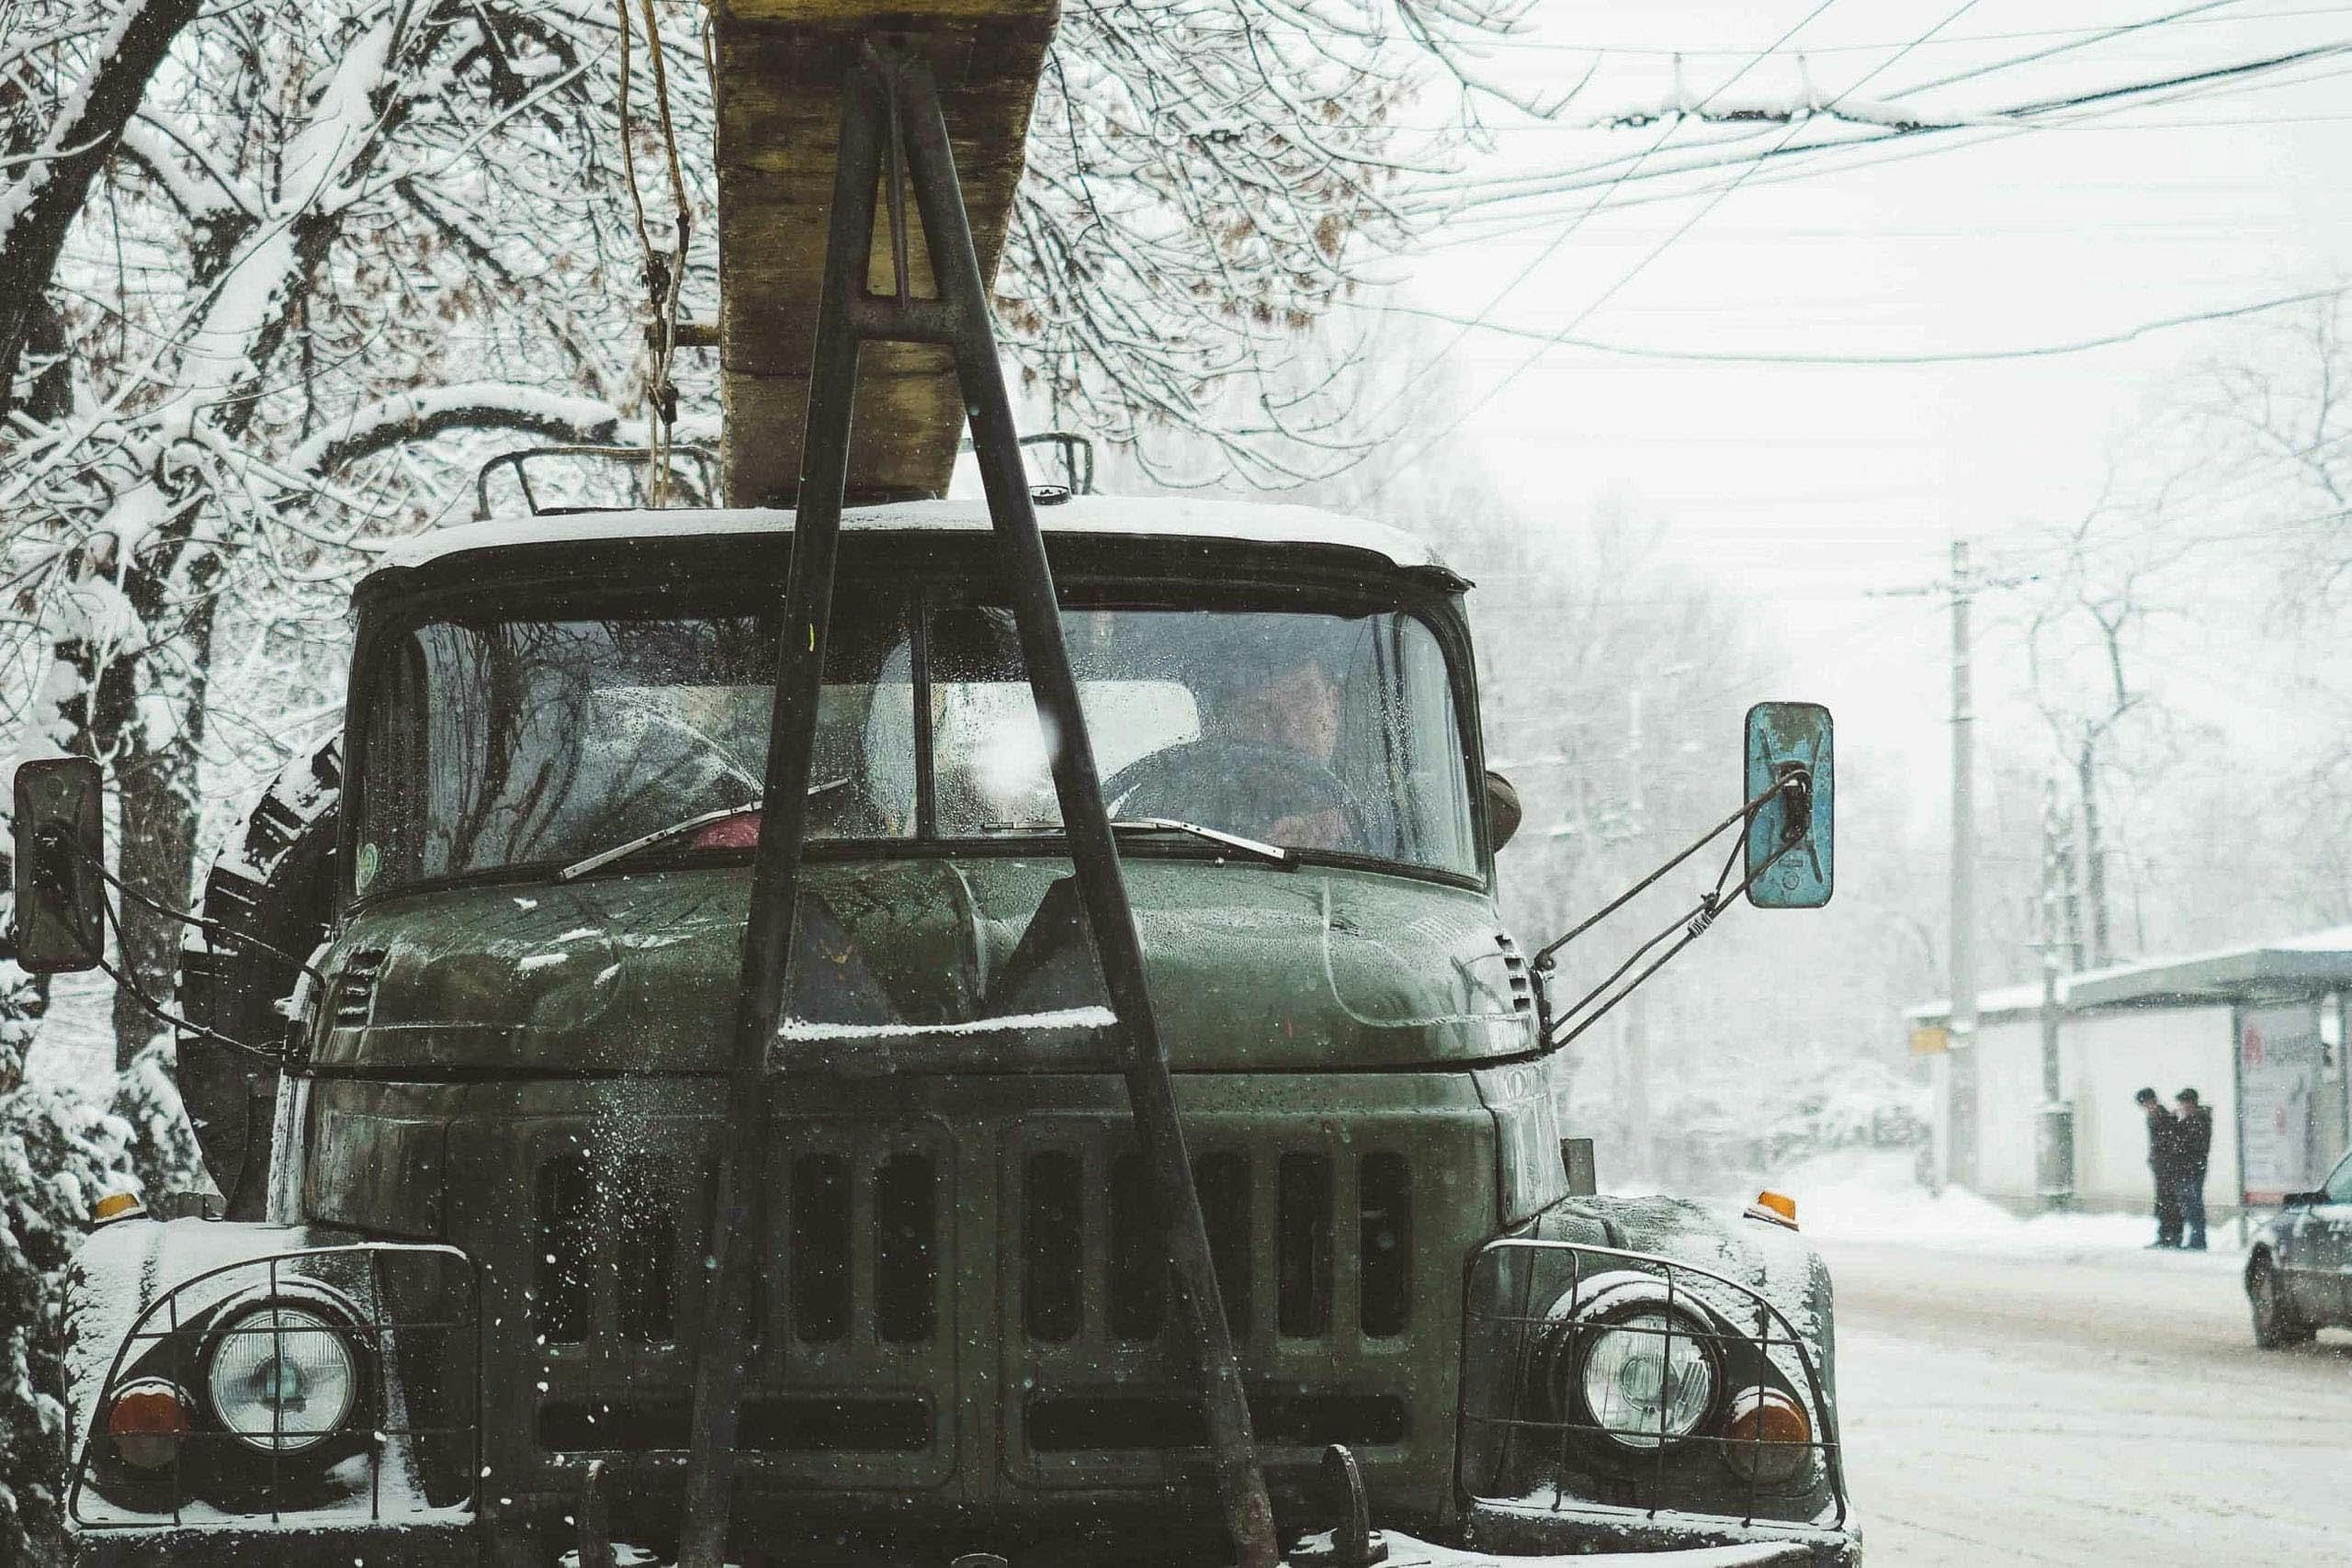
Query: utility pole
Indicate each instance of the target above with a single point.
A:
(1963, 962)
(1959, 1056)
(1635, 1032)
(2054, 1129)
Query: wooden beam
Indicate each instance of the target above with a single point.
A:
(781, 63)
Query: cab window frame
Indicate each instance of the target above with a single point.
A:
(937, 578)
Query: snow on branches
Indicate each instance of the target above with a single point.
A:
(1205, 181)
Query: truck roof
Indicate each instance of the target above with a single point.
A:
(1099, 516)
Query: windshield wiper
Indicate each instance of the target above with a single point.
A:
(1259, 847)
(643, 841)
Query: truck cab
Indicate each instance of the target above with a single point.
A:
(485, 1178)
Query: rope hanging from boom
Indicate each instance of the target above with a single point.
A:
(664, 271)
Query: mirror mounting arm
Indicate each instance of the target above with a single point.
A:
(1694, 924)
(1543, 961)
(1786, 759)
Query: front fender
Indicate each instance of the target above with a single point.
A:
(1775, 1262)
(151, 1302)
(1540, 1468)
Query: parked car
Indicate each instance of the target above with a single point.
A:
(2298, 1276)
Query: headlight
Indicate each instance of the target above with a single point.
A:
(1647, 1378)
(282, 1377)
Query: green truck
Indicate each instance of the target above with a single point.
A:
(919, 1032)
(500, 941)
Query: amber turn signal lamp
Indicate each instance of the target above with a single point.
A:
(117, 1206)
(1778, 1208)
(1766, 1439)
(146, 1421)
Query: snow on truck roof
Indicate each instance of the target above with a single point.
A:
(1115, 516)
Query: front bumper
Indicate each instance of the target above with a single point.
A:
(1499, 1543)
(1520, 1530)
(433, 1543)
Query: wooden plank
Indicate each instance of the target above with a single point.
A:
(780, 65)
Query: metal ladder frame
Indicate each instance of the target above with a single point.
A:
(891, 122)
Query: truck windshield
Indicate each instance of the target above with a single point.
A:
(495, 743)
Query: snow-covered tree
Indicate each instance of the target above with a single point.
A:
(58, 1156)
(337, 238)
(273, 275)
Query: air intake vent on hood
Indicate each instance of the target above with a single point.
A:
(354, 987)
(1522, 984)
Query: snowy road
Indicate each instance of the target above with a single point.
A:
(2101, 1406)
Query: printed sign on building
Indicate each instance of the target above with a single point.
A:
(2279, 1060)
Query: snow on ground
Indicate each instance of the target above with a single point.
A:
(1871, 1196)
(2046, 1390)
(2105, 1412)
(75, 1046)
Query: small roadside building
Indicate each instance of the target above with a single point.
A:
(2257, 1030)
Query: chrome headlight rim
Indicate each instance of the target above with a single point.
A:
(1605, 1304)
(333, 1316)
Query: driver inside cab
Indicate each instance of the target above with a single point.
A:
(1296, 708)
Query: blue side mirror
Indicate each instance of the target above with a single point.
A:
(1790, 838)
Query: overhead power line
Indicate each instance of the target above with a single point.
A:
(2168, 19)
(1819, 159)
(1664, 245)
(1458, 197)
(1954, 40)
(1405, 387)
(2187, 79)
(1955, 356)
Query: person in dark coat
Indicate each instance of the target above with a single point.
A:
(2194, 1132)
(2163, 1164)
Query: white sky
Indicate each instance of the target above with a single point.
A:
(1814, 485)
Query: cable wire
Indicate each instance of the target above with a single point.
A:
(1577, 220)
(208, 927)
(1664, 245)
(1957, 356)
(155, 1009)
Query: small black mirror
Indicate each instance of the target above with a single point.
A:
(2303, 1199)
(1790, 865)
(1503, 810)
(59, 845)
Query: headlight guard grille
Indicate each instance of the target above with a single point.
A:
(411, 1314)
(1527, 1439)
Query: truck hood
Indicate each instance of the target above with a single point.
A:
(1254, 968)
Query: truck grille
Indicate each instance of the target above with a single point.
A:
(879, 1240)
(1061, 1210)
(623, 1222)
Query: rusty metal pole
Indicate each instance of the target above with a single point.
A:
(1961, 1129)
(1094, 851)
(882, 100)
(723, 1359)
